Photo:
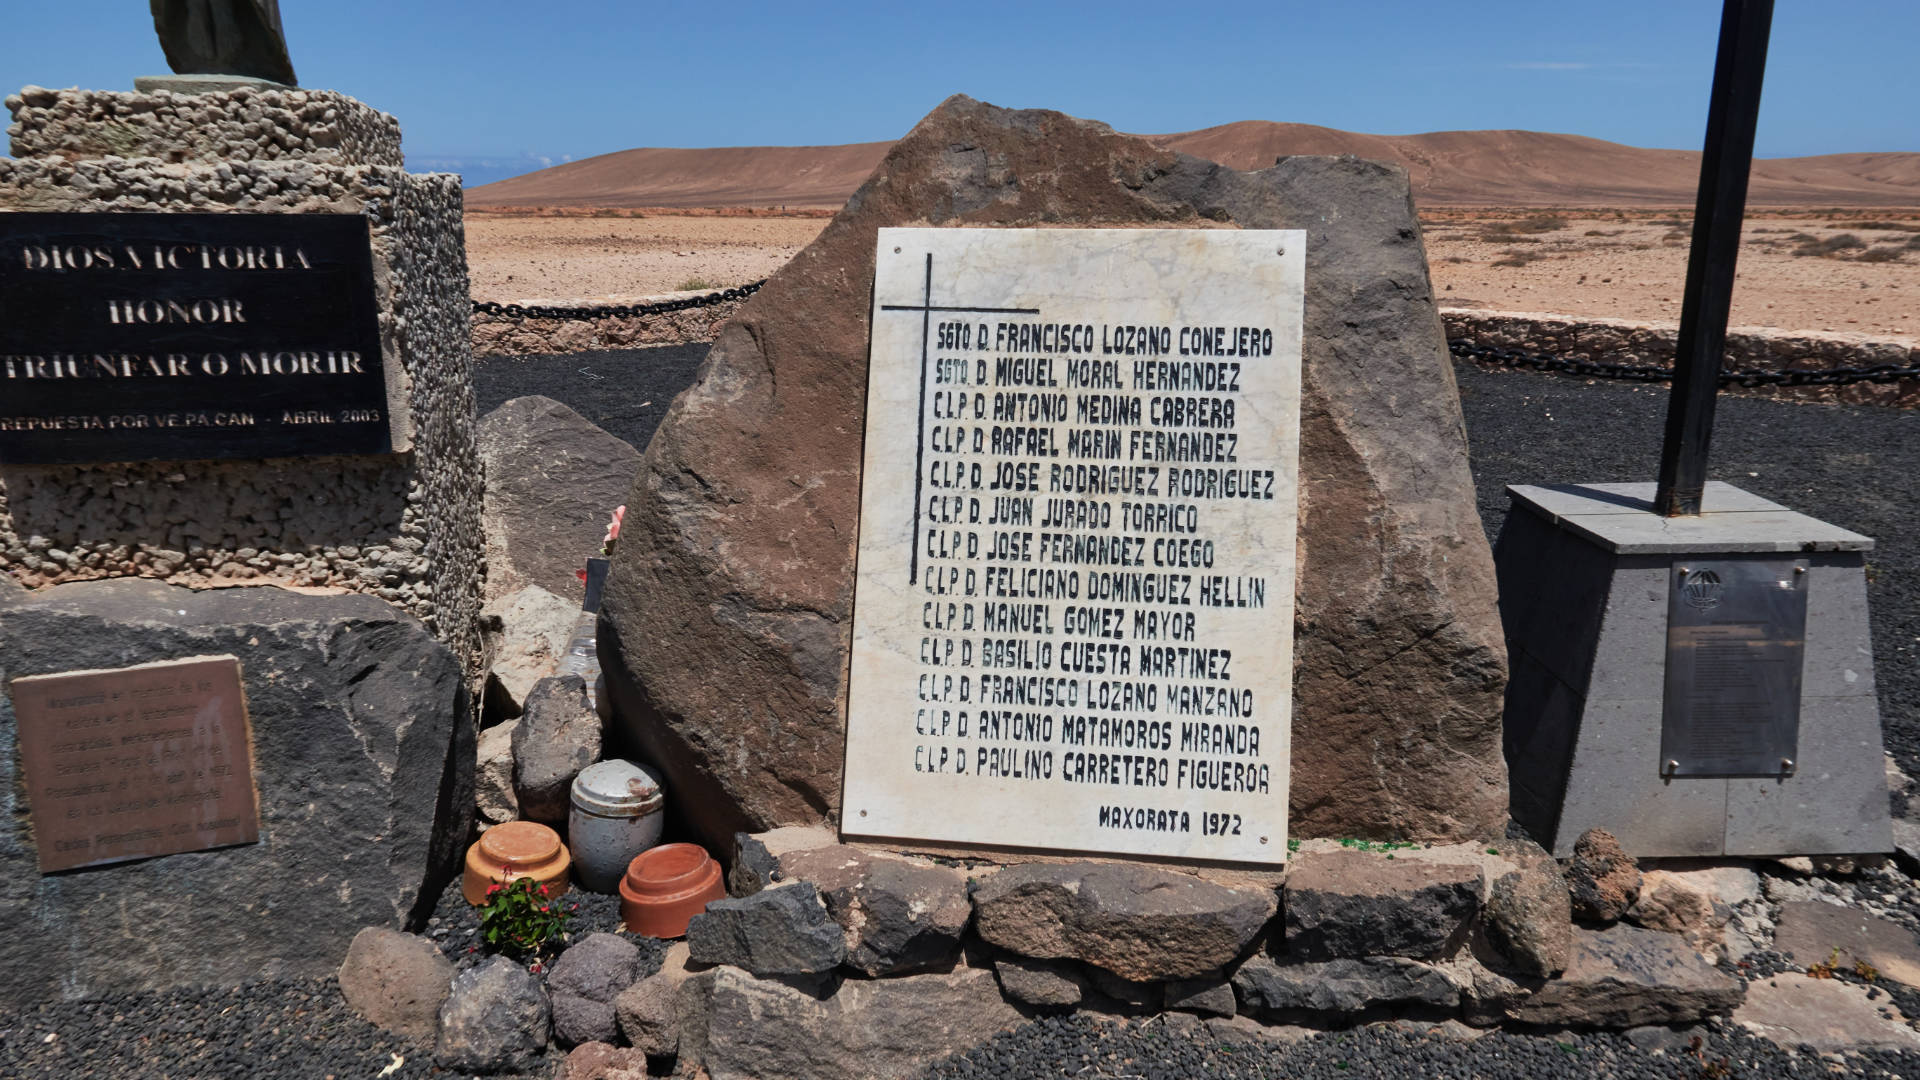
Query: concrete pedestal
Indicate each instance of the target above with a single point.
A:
(1585, 573)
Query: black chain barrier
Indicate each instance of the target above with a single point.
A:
(1845, 376)
(538, 311)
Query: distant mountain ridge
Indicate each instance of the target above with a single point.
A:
(1448, 168)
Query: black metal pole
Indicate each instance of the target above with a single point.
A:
(1732, 112)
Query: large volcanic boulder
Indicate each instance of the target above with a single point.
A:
(362, 756)
(553, 479)
(728, 616)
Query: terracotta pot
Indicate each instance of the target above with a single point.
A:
(515, 849)
(666, 887)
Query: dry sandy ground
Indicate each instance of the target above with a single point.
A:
(1858, 270)
(513, 258)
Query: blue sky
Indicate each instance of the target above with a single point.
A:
(495, 87)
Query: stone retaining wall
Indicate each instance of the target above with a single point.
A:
(1624, 341)
(506, 335)
(833, 960)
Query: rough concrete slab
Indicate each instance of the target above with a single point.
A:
(1810, 931)
(1826, 1015)
(1554, 501)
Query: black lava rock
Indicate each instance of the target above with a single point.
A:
(779, 931)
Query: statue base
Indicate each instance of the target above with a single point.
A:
(1635, 710)
(203, 84)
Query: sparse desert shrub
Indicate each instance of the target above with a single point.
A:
(1537, 223)
(1889, 226)
(1673, 235)
(1600, 232)
(1517, 258)
(1832, 245)
(1879, 255)
(694, 284)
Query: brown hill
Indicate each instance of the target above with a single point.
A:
(1449, 168)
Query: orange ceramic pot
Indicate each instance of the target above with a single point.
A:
(665, 887)
(512, 850)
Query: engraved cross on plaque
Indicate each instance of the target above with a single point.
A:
(926, 307)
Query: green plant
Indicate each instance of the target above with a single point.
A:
(521, 916)
(1293, 845)
(1826, 969)
(693, 284)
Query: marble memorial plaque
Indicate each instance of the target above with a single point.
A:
(1073, 613)
(1736, 647)
(134, 762)
(188, 336)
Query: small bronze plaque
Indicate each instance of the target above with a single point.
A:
(134, 762)
(1736, 641)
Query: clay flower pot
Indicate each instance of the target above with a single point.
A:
(515, 849)
(666, 887)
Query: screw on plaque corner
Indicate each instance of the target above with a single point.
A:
(1670, 768)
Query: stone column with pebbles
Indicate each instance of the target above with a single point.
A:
(403, 526)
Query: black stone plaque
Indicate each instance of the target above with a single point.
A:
(140, 337)
(1736, 642)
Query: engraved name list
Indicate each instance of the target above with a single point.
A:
(1073, 609)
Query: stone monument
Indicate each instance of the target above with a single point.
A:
(235, 422)
(728, 621)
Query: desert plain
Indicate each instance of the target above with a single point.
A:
(1846, 270)
(1513, 221)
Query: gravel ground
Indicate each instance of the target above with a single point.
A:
(1856, 466)
(455, 927)
(1851, 465)
(625, 391)
(1086, 1046)
(292, 1029)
